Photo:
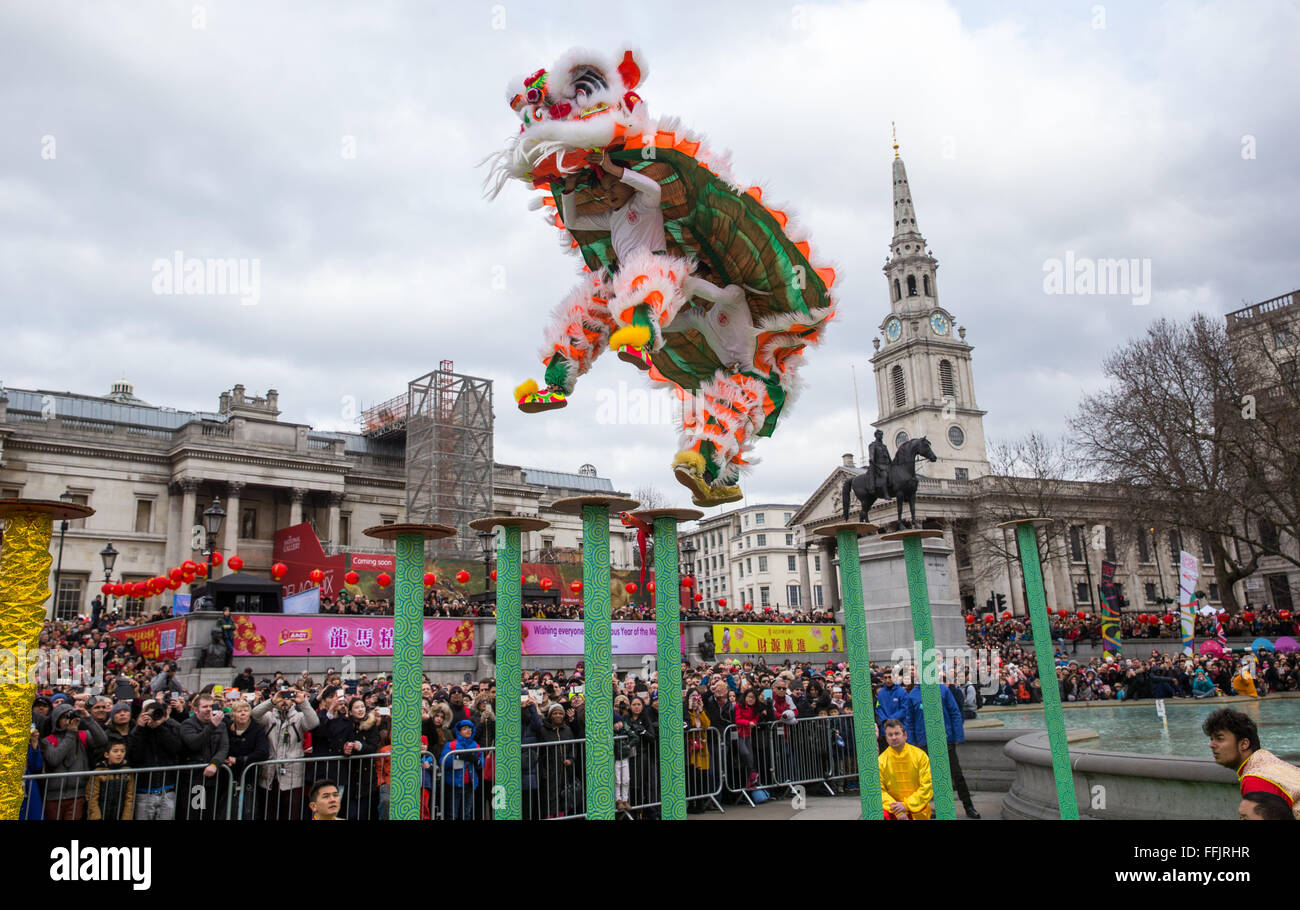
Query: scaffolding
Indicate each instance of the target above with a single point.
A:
(447, 418)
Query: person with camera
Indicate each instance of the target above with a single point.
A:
(74, 737)
(155, 742)
(206, 742)
(248, 745)
(352, 735)
(286, 717)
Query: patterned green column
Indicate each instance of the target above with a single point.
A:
(509, 725)
(408, 661)
(859, 654)
(928, 663)
(1044, 651)
(598, 661)
(668, 618)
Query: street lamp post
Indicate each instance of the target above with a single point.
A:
(213, 516)
(109, 557)
(65, 497)
(688, 568)
(485, 539)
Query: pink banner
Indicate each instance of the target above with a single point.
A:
(542, 636)
(372, 562)
(260, 635)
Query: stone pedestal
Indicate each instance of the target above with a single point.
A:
(889, 611)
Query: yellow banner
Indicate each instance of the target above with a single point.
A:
(793, 640)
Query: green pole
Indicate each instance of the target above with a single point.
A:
(668, 616)
(928, 664)
(598, 661)
(855, 631)
(1027, 543)
(408, 668)
(509, 727)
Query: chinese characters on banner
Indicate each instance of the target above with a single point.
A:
(260, 635)
(755, 638)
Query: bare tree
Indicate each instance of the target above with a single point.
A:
(1169, 433)
(651, 498)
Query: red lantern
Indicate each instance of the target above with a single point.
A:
(1082, 614)
(216, 559)
(493, 575)
(1063, 613)
(352, 578)
(1284, 615)
(1222, 617)
(650, 587)
(575, 587)
(278, 570)
(235, 563)
(188, 578)
(384, 579)
(988, 617)
(1249, 616)
(1168, 618)
(462, 576)
(698, 597)
(430, 579)
(722, 601)
(767, 609)
(175, 574)
(1006, 614)
(688, 581)
(630, 587)
(316, 576)
(188, 565)
(106, 588)
(1142, 617)
(546, 584)
(969, 619)
(749, 608)
(174, 585)
(201, 570)
(140, 589)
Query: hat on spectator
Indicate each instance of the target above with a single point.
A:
(120, 706)
(455, 689)
(58, 697)
(43, 700)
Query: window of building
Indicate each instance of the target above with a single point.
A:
(80, 499)
(1207, 555)
(1150, 591)
(762, 563)
(763, 598)
(1175, 546)
(817, 562)
(1214, 592)
(143, 516)
(1268, 535)
(740, 566)
(762, 540)
(345, 529)
(946, 384)
(956, 436)
(10, 493)
(785, 519)
(68, 604)
(749, 565)
(817, 595)
(760, 518)
(248, 523)
(131, 606)
(388, 520)
(911, 285)
(898, 293)
(746, 519)
(961, 543)
(961, 473)
(789, 540)
(790, 564)
(1282, 337)
(1076, 543)
(1144, 546)
(899, 385)
(900, 438)
(925, 283)
(792, 595)
(1110, 545)
(1082, 594)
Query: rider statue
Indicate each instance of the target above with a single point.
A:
(878, 458)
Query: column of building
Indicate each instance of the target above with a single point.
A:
(185, 527)
(335, 503)
(230, 534)
(297, 494)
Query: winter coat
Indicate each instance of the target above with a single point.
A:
(205, 744)
(247, 748)
(284, 733)
(459, 765)
(155, 747)
(70, 750)
(697, 740)
(914, 719)
(747, 718)
(890, 703)
(111, 797)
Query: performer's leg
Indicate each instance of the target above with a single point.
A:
(959, 782)
(578, 332)
(718, 425)
(647, 293)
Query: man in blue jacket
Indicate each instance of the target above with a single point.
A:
(914, 723)
(891, 704)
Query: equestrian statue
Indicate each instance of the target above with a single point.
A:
(889, 479)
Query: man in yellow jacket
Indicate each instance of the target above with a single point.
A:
(905, 787)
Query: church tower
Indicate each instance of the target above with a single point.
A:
(924, 383)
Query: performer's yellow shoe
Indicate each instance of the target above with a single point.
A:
(688, 468)
(633, 336)
(531, 400)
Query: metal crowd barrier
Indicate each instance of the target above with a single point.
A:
(777, 755)
(142, 794)
(278, 789)
(705, 771)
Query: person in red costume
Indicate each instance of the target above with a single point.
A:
(1234, 740)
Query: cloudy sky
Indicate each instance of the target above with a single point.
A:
(1161, 132)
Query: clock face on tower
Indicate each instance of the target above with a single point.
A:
(893, 329)
(940, 324)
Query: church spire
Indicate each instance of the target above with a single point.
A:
(904, 214)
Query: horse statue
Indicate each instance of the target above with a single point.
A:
(900, 485)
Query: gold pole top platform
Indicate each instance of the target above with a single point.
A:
(857, 527)
(649, 515)
(910, 533)
(573, 505)
(55, 508)
(392, 532)
(522, 522)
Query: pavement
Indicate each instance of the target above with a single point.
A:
(783, 806)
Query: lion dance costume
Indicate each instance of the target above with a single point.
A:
(689, 277)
